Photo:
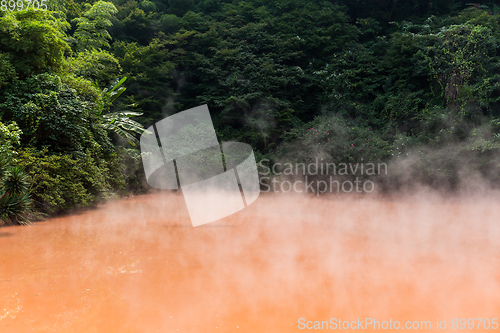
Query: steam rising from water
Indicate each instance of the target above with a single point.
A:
(137, 265)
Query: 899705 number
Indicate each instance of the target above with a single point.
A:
(13, 5)
(474, 323)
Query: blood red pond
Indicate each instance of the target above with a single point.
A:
(282, 264)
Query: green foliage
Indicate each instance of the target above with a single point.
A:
(10, 136)
(132, 167)
(254, 65)
(180, 7)
(15, 199)
(133, 24)
(148, 6)
(119, 122)
(461, 60)
(34, 41)
(7, 70)
(91, 28)
(93, 65)
(149, 72)
(333, 139)
(61, 181)
(15, 181)
(52, 115)
(170, 23)
(344, 81)
(386, 11)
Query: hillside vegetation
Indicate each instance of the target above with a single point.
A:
(410, 83)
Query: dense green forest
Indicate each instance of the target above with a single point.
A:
(411, 83)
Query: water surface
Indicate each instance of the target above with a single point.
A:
(137, 265)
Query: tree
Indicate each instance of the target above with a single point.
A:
(7, 70)
(31, 43)
(51, 114)
(91, 28)
(149, 72)
(180, 7)
(254, 62)
(93, 65)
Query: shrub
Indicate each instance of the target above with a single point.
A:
(62, 181)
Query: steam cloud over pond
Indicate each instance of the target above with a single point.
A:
(137, 265)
